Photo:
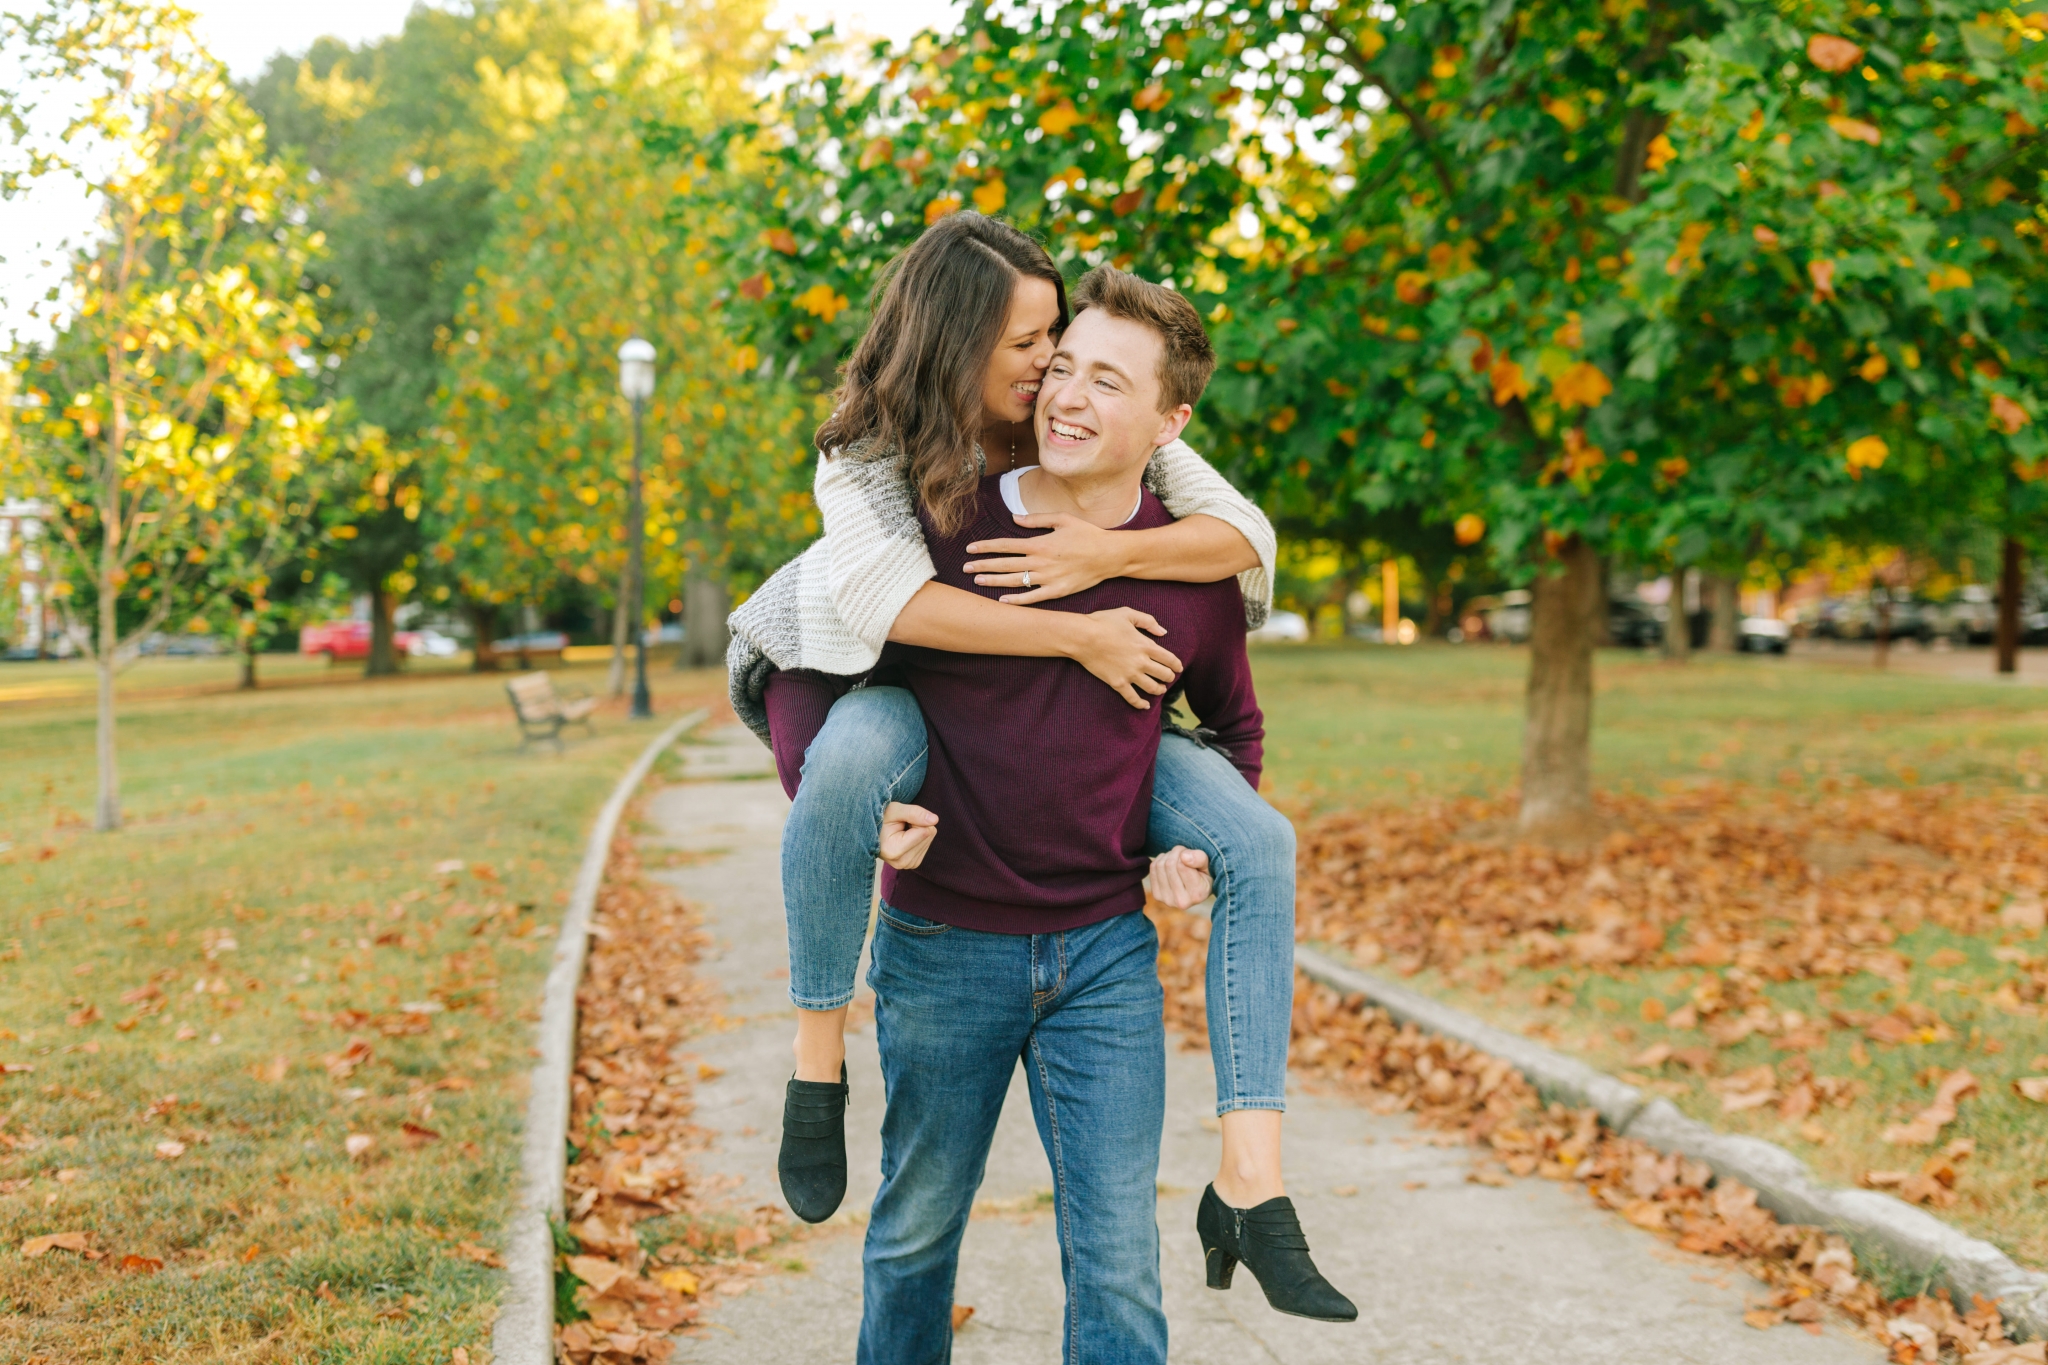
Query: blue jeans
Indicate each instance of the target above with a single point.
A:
(955, 1011)
(871, 751)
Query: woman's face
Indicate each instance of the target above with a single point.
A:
(1009, 391)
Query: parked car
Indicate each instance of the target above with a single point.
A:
(533, 642)
(1968, 617)
(19, 654)
(1859, 615)
(344, 640)
(1763, 635)
(1282, 627)
(1509, 618)
(1632, 624)
(431, 644)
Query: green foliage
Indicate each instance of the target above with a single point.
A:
(1477, 259)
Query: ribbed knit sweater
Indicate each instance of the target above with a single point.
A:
(829, 610)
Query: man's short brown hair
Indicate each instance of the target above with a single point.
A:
(1186, 360)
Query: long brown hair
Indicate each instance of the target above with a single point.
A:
(914, 381)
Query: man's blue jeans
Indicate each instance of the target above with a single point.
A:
(871, 751)
(955, 1011)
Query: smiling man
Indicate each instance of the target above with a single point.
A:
(1020, 933)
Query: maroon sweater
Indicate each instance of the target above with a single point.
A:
(1040, 774)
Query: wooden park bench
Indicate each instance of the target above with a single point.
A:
(542, 712)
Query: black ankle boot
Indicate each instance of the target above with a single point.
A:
(812, 1165)
(1268, 1239)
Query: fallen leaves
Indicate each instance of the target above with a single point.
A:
(55, 1241)
(169, 1151)
(2033, 1088)
(359, 1146)
(1933, 1184)
(482, 1255)
(1926, 1126)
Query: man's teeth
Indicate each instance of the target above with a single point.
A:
(1070, 433)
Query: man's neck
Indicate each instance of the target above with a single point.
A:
(1103, 502)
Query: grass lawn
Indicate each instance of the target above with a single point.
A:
(1931, 782)
(328, 916)
(1347, 724)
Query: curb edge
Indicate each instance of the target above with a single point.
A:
(524, 1333)
(1911, 1238)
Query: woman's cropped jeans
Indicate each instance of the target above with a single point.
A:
(871, 751)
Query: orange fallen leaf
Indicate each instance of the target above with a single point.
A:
(482, 1255)
(677, 1279)
(169, 1150)
(961, 1313)
(2033, 1088)
(416, 1136)
(597, 1272)
(359, 1145)
(54, 1241)
(746, 1239)
(148, 1265)
(255, 1250)
(1926, 1126)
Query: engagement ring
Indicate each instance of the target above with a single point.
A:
(1027, 578)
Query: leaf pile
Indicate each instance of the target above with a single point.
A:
(1785, 887)
(1456, 1089)
(630, 1132)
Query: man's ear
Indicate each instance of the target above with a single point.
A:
(1171, 425)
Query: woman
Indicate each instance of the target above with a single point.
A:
(939, 391)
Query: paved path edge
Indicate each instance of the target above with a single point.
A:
(1880, 1226)
(524, 1333)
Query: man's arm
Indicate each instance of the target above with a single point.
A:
(1218, 683)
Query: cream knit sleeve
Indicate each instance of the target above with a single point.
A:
(1188, 485)
(878, 555)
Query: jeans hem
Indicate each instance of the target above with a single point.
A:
(1252, 1102)
(836, 1002)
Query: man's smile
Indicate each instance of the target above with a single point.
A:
(1067, 432)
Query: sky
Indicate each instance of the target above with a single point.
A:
(247, 33)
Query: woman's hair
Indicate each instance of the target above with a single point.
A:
(914, 381)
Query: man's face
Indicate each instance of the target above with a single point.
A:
(1098, 410)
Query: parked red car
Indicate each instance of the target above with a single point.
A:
(347, 640)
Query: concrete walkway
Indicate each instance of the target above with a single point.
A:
(1442, 1270)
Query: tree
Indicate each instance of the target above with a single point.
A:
(168, 403)
(1511, 264)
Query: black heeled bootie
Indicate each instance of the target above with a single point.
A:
(1269, 1240)
(812, 1164)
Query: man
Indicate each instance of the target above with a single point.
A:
(1020, 932)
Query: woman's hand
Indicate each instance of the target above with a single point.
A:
(1074, 557)
(907, 834)
(1180, 878)
(1115, 647)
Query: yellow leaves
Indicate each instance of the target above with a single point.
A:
(940, 207)
(1059, 120)
(1283, 421)
(780, 239)
(822, 302)
(1874, 369)
(1582, 459)
(2008, 415)
(1411, 287)
(756, 287)
(1822, 273)
(1948, 277)
(1796, 391)
(1754, 128)
(1583, 385)
(1672, 470)
(1660, 154)
(1469, 529)
(1151, 99)
(990, 196)
(1371, 41)
(876, 153)
(745, 358)
(1765, 237)
(1446, 64)
(1375, 324)
(1565, 111)
(1999, 190)
(1508, 381)
(1686, 254)
(1832, 54)
(1855, 129)
(1168, 197)
(1865, 452)
(1572, 334)
(2017, 126)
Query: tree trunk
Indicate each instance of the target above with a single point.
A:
(706, 604)
(483, 622)
(2009, 579)
(1678, 623)
(248, 683)
(1557, 757)
(383, 660)
(107, 811)
(615, 681)
(1884, 629)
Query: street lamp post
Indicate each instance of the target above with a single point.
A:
(636, 382)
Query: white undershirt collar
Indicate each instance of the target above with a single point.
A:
(1014, 499)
